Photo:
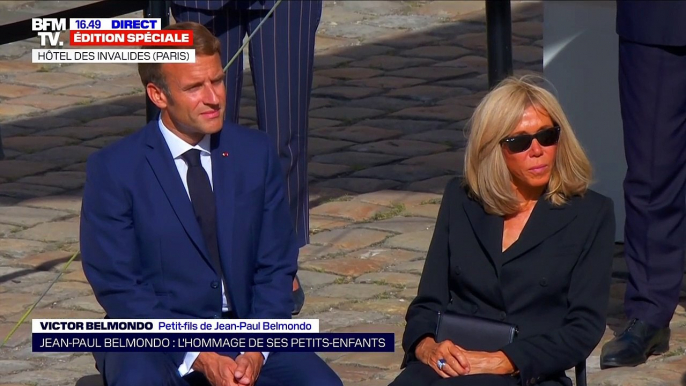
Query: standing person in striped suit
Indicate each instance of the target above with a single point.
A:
(281, 56)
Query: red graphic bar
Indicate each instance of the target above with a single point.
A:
(131, 38)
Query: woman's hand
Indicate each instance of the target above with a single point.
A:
(489, 363)
(429, 352)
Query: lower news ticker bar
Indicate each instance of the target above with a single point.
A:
(195, 342)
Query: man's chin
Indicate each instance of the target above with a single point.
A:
(212, 124)
(211, 129)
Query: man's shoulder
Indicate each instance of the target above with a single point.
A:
(248, 133)
(122, 151)
(244, 138)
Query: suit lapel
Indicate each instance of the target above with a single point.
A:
(160, 159)
(223, 181)
(545, 220)
(488, 230)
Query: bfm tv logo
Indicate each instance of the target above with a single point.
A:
(56, 26)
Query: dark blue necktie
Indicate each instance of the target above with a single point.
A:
(202, 197)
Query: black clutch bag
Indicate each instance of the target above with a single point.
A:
(474, 333)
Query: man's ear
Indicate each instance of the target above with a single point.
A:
(157, 96)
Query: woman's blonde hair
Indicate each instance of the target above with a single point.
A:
(494, 119)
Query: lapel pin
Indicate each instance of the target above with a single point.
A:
(225, 154)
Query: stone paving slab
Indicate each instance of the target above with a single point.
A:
(394, 85)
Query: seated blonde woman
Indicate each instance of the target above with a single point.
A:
(520, 240)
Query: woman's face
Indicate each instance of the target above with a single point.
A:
(531, 166)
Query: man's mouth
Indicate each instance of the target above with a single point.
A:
(210, 114)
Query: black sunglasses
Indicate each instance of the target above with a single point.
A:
(520, 143)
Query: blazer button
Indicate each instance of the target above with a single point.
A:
(543, 282)
(214, 284)
(216, 316)
(457, 270)
(475, 308)
(503, 315)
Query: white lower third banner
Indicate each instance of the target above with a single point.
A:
(115, 55)
(132, 326)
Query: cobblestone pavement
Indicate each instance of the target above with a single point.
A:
(394, 84)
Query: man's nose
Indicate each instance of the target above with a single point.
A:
(211, 96)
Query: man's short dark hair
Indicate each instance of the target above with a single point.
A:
(204, 43)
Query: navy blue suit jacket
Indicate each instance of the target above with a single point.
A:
(142, 248)
(233, 4)
(654, 22)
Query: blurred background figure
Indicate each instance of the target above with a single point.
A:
(652, 83)
(281, 56)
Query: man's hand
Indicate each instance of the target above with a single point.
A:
(489, 363)
(218, 369)
(429, 352)
(248, 368)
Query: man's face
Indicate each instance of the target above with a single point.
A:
(196, 104)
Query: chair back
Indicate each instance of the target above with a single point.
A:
(91, 380)
(580, 373)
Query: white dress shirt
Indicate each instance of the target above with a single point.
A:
(178, 146)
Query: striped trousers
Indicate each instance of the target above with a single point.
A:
(281, 60)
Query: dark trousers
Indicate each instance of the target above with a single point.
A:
(652, 83)
(281, 59)
(158, 369)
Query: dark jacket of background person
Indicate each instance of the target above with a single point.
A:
(652, 22)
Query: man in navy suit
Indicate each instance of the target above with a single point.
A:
(652, 85)
(281, 56)
(188, 218)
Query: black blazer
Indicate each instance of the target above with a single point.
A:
(553, 283)
(652, 22)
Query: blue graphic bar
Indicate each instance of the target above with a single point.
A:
(184, 342)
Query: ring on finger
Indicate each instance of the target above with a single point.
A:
(440, 363)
